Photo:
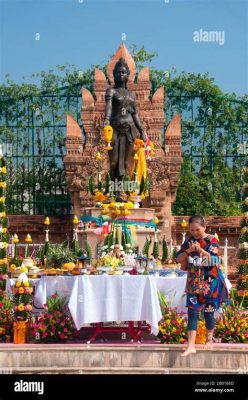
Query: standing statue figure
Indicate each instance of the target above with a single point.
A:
(121, 114)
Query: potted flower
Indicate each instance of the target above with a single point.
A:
(231, 327)
(6, 319)
(56, 323)
(22, 299)
(173, 325)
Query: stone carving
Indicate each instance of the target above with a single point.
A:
(163, 170)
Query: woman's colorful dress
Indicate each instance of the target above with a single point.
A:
(206, 288)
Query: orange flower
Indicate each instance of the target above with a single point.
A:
(139, 143)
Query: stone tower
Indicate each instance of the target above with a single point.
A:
(163, 169)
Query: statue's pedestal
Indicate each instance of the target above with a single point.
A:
(142, 214)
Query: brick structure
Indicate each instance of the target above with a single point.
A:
(58, 230)
(162, 169)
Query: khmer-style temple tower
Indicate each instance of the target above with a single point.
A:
(163, 169)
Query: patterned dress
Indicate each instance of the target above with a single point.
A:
(206, 288)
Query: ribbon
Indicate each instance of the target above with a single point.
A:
(99, 221)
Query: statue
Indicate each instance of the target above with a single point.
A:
(121, 114)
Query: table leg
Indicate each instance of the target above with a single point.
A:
(96, 332)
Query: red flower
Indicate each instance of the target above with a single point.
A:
(54, 295)
(62, 336)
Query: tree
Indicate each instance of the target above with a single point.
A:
(212, 124)
(242, 270)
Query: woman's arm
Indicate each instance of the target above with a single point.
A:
(108, 105)
(137, 122)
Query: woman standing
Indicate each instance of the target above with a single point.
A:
(205, 288)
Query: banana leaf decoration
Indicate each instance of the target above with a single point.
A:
(91, 185)
(88, 249)
(107, 184)
(99, 186)
(146, 247)
(111, 239)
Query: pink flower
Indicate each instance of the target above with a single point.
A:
(54, 296)
(45, 307)
(62, 336)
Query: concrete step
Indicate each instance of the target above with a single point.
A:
(122, 371)
(76, 357)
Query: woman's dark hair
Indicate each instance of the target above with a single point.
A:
(120, 63)
(197, 218)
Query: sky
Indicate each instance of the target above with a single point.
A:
(88, 32)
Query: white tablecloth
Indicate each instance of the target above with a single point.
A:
(106, 298)
(116, 298)
(48, 285)
(137, 292)
(174, 289)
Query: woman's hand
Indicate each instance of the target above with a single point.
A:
(198, 248)
(191, 249)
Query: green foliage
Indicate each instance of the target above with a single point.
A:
(107, 184)
(88, 249)
(6, 319)
(76, 249)
(164, 251)
(209, 135)
(110, 239)
(116, 236)
(55, 302)
(147, 246)
(174, 253)
(208, 193)
(58, 254)
(155, 249)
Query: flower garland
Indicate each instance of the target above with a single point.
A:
(22, 298)
(4, 236)
(242, 270)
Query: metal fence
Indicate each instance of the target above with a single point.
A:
(33, 128)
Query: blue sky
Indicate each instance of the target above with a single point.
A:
(86, 32)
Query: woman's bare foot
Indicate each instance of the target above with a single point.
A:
(209, 341)
(188, 351)
(209, 345)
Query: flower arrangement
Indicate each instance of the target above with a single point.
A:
(109, 261)
(6, 319)
(173, 326)
(108, 135)
(232, 326)
(22, 298)
(4, 236)
(242, 270)
(115, 208)
(56, 323)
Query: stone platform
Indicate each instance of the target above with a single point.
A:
(121, 358)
